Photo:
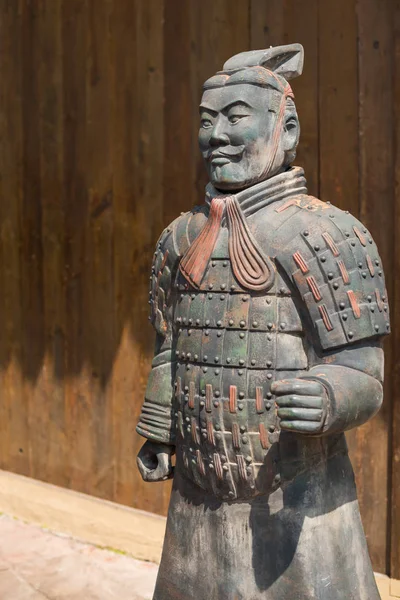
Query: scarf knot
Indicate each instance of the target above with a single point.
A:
(252, 269)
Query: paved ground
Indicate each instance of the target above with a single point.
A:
(37, 565)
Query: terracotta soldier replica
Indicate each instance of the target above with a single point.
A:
(270, 308)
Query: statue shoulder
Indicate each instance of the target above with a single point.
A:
(169, 248)
(333, 261)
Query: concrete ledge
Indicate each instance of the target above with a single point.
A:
(100, 522)
(389, 589)
(83, 517)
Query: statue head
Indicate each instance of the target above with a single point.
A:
(249, 129)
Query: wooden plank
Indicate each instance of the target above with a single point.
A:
(180, 135)
(31, 289)
(394, 449)
(14, 429)
(301, 25)
(338, 105)
(376, 211)
(138, 117)
(50, 450)
(79, 424)
(99, 342)
(267, 23)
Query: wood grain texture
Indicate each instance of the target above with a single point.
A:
(99, 152)
(301, 25)
(370, 456)
(13, 407)
(394, 418)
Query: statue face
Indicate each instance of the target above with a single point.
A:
(235, 129)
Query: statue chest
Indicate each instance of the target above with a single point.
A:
(230, 345)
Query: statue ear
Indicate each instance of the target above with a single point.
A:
(286, 61)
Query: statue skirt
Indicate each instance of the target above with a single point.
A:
(304, 541)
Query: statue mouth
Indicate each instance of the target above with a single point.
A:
(222, 157)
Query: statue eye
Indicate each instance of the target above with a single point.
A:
(205, 123)
(235, 118)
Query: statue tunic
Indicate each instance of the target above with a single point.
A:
(259, 513)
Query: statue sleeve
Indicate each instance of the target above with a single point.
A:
(156, 420)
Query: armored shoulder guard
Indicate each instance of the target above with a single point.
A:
(332, 260)
(162, 271)
(173, 242)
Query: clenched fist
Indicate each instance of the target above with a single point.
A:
(302, 405)
(154, 461)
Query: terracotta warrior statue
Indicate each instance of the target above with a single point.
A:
(270, 308)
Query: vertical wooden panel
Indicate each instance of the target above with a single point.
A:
(376, 210)
(50, 451)
(31, 273)
(14, 445)
(138, 196)
(338, 104)
(74, 21)
(99, 277)
(267, 23)
(394, 449)
(124, 132)
(180, 113)
(301, 25)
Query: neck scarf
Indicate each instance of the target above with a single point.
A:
(252, 269)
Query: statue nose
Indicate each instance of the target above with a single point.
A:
(218, 137)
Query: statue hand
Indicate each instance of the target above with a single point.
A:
(154, 461)
(301, 405)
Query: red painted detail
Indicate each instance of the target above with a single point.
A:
(242, 467)
(200, 462)
(164, 260)
(286, 205)
(178, 387)
(300, 262)
(180, 423)
(355, 307)
(360, 236)
(252, 269)
(235, 435)
(379, 300)
(325, 317)
(210, 432)
(259, 400)
(195, 433)
(263, 436)
(313, 285)
(370, 264)
(232, 398)
(343, 271)
(209, 396)
(195, 260)
(331, 244)
(218, 466)
(191, 394)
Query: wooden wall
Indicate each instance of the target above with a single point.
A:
(98, 151)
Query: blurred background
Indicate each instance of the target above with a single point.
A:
(98, 152)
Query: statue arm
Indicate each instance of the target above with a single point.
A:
(337, 276)
(156, 422)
